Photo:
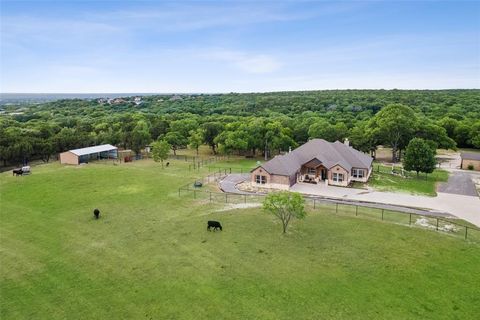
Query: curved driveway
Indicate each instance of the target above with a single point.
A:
(466, 207)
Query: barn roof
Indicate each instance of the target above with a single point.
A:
(470, 156)
(94, 149)
(327, 153)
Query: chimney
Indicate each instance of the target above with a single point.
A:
(346, 142)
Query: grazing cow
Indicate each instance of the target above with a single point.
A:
(214, 224)
(17, 172)
(96, 213)
(168, 163)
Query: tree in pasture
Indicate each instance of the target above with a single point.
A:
(140, 136)
(212, 130)
(195, 139)
(160, 151)
(285, 205)
(394, 125)
(176, 140)
(419, 156)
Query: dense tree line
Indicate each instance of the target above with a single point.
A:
(250, 124)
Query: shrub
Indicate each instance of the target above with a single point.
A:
(470, 167)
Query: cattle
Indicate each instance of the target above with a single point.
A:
(168, 163)
(17, 172)
(96, 213)
(214, 224)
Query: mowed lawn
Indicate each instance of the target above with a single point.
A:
(150, 256)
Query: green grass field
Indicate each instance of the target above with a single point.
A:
(382, 180)
(150, 256)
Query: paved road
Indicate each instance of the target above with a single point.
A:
(459, 183)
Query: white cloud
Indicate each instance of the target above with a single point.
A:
(247, 62)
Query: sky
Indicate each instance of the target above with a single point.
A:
(237, 46)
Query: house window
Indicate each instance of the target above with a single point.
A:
(358, 173)
(311, 171)
(338, 177)
(260, 179)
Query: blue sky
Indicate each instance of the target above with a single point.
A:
(223, 46)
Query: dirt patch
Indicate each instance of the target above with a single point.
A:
(233, 206)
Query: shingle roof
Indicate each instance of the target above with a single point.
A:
(470, 156)
(328, 153)
(94, 149)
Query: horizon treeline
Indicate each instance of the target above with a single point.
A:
(250, 124)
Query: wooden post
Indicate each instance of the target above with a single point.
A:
(410, 221)
(466, 231)
(210, 196)
(194, 194)
(226, 199)
(437, 224)
(356, 210)
(313, 203)
(382, 213)
(230, 170)
(179, 192)
(336, 207)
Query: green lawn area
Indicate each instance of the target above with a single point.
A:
(382, 180)
(150, 256)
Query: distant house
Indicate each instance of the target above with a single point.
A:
(470, 159)
(84, 155)
(175, 98)
(317, 161)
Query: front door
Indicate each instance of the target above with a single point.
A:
(324, 174)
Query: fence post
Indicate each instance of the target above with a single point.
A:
(230, 170)
(226, 197)
(336, 207)
(179, 192)
(437, 224)
(313, 203)
(356, 210)
(410, 221)
(382, 213)
(466, 231)
(194, 194)
(210, 196)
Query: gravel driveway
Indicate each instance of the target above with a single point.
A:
(459, 183)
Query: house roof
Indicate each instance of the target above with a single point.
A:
(470, 156)
(327, 153)
(94, 149)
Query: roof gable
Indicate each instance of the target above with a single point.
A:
(327, 153)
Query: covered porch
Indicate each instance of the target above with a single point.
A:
(313, 171)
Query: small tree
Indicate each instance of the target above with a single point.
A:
(285, 205)
(160, 151)
(196, 138)
(419, 156)
(176, 140)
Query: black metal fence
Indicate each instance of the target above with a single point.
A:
(365, 210)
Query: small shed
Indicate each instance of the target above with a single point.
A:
(470, 160)
(84, 155)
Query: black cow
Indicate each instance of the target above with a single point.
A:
(214, 224)
(17, 172)
(168, 163)
(96, 213)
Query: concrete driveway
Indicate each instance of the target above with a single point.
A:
(466, 207)
(459, 182)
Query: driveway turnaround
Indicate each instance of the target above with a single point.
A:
(466, 207)
(459, 182)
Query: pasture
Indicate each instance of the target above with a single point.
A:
(149, 255)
